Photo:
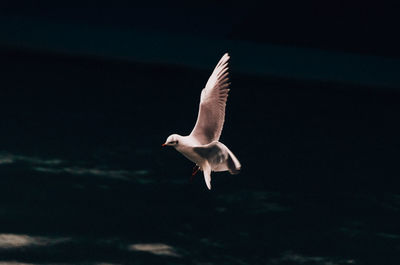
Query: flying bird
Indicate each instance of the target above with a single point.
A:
(202, 145)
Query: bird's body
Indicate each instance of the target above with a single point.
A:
(202, 146)
(185, 147)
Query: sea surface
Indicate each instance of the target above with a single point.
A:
(84, 179)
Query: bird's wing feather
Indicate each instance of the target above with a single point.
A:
(211, 117)
(215, 152)
(219, 157)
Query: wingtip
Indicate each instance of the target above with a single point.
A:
(224, 59)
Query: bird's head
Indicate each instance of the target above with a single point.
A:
(172, 140)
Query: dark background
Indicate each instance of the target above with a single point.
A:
(83, 179)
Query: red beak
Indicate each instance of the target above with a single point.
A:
(163, 145)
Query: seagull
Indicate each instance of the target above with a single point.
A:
(202, 145)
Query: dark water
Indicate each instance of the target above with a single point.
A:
(83, 179)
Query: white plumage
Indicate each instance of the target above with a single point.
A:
(202, 146)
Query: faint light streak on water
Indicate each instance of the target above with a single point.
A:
(389, 236)
(14, 263)
(22, 263)
(17, 241)
(116, 174)
(7, 158)
(302, 259)
(155, 248)
(102, 263)
(50, 166)
(141, 172)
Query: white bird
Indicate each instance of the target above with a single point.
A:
(202, 146)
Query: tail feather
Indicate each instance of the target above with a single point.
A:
(207, 174)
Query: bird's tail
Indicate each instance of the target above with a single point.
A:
(207, 174)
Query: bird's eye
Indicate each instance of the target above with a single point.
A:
(176, 142)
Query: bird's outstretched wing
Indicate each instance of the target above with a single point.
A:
(210, 119)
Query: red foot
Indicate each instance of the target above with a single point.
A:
(196, 169)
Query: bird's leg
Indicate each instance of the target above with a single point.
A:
(196, 169)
